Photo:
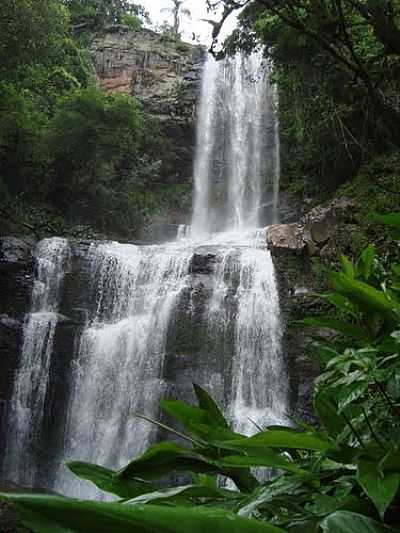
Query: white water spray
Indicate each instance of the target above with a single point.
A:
(27, 404)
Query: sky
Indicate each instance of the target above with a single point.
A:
(194, 24)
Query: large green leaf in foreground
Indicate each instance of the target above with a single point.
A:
(53, 514)
(347, 522)
(281, 439)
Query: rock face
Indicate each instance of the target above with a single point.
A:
(321, 233)
(318, 231)
(164, 76)
(16, 280)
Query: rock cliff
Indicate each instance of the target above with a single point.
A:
(165, 76)
(299, 249)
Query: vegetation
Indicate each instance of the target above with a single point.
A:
(72, 159)
(338, 477)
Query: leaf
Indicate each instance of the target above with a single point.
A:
(162, 459)
(280, 486)
(347, 266)
(341, 302)
(167, 428)
(324, 352)
(207, 404)
(365, 262)
(350, 330)
(213, 434)
(50, 514)
(167, 457)
(347, 522)
(391, 219)
(267, 458)
(350, 394)
(107, 481)
(364, 295)
(381, 487)
(280, 439)
(185, 413)
(186, 492)
(327, 412)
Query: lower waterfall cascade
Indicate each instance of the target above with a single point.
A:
(204, 307)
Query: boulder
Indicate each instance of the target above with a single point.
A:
(321, 223)
(282, 238)
(315, 231)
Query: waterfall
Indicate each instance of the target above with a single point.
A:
(27, 403)
(237, 158)
(117, 370)
(148, 308)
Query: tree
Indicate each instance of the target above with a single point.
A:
(177, 10)
(31, 34)
(94, 14)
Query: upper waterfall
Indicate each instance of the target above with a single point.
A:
(236, 172)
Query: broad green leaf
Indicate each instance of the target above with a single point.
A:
(207, 404)
(364, 295)
(347, 266)
(323, 352)
(391, 219)
(381, 487)
(350, 394)
(267, 458)
(50, 514)
(281, 486)
(167, 457)
(162, 459)
(107, 480)
(326, 409)
(340, 302)
(365, 262)
(186, 414)
(281, 439)
(213, 434)
(184, 492)
(347, 522)
(346, 328)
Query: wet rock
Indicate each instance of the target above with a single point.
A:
(316, 232)
(16, 281)
(321, 223)
(322, 232)
(202, 263)
(282, 238)
(16, 275)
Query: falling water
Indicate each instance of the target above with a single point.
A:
(119, 362)
(136, 291)
(30, 386)
(237, 158)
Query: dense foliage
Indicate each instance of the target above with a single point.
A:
(71, 157)
(341, 476)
